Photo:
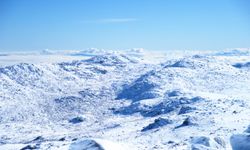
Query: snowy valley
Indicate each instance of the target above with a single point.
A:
(131, 100)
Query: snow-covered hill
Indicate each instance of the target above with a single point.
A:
(131, 99)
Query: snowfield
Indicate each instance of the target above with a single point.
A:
(131, 100)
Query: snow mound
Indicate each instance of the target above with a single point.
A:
(88, 52)
(73, 105)
(97, 144)
(87, 144)
(23, 73)
(141, 88)
(68, 105)
(174, 93)
(179, 74)
(206, 143)
(111, 60)
(82, 70)
(192, 63)
(240, 142)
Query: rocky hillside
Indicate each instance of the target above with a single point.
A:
(190, 101)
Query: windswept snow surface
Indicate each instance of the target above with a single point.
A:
(133, 99)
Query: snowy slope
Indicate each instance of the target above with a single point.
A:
(133, 99)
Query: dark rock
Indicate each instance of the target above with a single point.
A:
(62, 139)
(186, 109)
(174, 93)
(171, 142)
(156, 124)
(169, 105)
(76, 120)
(187, 122)
(29, 147)
(112, 109)
(38, 139)
(183, 64)
(128, 110)
(242, 65)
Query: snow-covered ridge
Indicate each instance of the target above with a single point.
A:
(187, 101)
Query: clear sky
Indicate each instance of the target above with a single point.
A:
(123, 24)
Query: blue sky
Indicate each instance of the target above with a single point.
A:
(117, 24)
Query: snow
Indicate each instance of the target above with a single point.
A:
(97, 144)
(240, 142)
(130, 99)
